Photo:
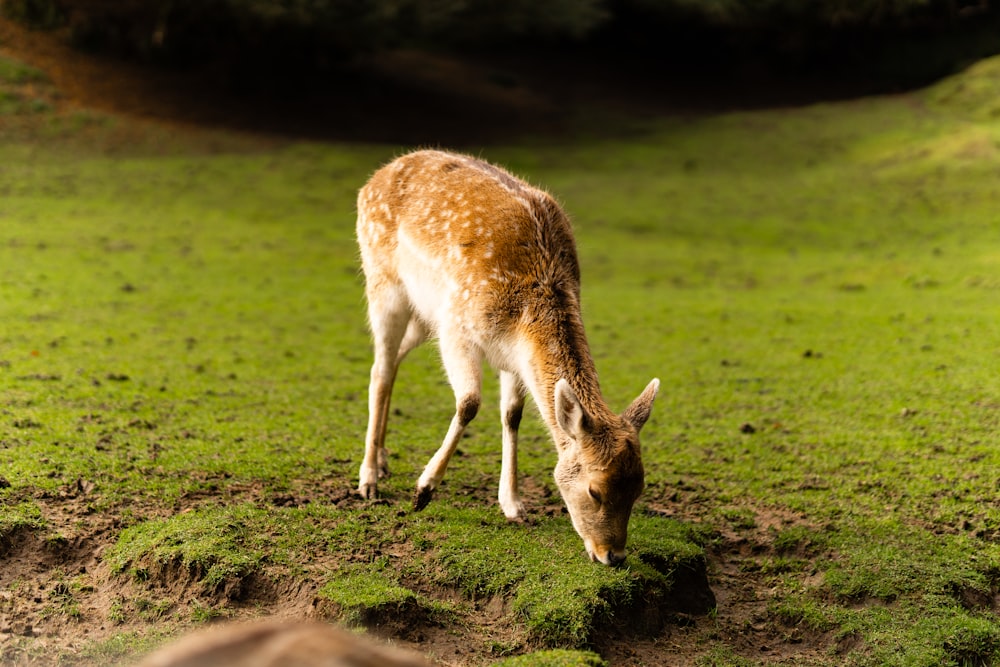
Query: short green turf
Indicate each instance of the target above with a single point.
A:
(816, 288)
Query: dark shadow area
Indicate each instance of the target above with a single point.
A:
(632, 68)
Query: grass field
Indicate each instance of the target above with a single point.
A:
(184, 363)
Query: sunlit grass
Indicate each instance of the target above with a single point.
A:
(178, 327)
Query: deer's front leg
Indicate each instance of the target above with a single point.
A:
(462, 362)
(511, 409)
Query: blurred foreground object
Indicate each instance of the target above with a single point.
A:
(284, 643)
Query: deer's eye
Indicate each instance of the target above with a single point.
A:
(594, 494)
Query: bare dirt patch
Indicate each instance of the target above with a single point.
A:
(60, 599)
(744, 620)
(54, 594)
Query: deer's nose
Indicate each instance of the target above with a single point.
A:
(606, 554)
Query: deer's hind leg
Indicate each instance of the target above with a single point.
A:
(395, 331)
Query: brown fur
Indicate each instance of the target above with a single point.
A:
(462, 250)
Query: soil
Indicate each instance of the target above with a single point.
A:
(58, 595)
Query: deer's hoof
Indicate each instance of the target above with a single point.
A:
(383, 463)
(514, 510)
(421, 497)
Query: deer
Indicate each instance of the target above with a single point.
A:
(460, 249)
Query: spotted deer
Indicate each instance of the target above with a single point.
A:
(457, 248)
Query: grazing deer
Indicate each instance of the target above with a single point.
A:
(460, 249)
(279, 644)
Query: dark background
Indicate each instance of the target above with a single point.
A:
(469, 71)
(260, 43)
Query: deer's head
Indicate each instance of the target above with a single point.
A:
(600, 472)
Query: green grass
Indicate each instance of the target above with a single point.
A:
(367, 592)
(24, 90)
(15, 516)
(120, 648)
(458, 549)
(215, 545)
(184, 338)
(555, 658)
(14, 72)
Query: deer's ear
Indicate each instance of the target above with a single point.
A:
(570, 415)
(638, 412)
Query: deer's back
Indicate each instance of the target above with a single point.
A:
(456, 230)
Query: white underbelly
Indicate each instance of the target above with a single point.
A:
(451, 305)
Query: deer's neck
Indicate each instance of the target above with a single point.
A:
(557, 349)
